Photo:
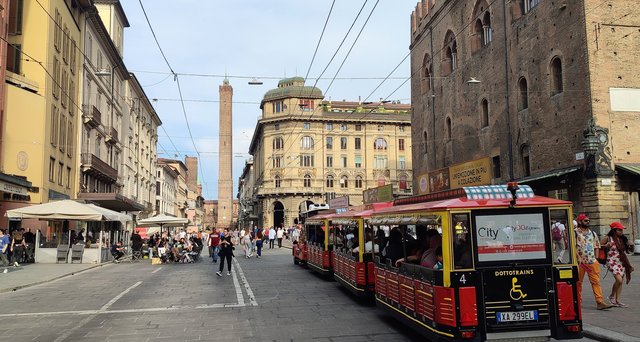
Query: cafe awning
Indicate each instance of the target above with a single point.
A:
(629, 167)
(549, 174)
(65, 210)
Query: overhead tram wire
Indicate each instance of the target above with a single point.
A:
(291, 115)
(177, 80)
(319, 40)
(231, 76)
(395, 68)
(343, 61)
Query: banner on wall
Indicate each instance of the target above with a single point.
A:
(473, 173)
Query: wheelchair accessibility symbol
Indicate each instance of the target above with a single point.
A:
(516, 293)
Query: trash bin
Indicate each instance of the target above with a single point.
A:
(636, 247)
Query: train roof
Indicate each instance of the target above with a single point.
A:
(494, 196)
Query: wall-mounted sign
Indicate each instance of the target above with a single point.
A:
(380, 194)
(339, 202)
(423, 184)
(473, 173)
(439, 180)
(13, 189)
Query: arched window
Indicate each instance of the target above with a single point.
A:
(484, 104)
(329, 181)
(344, 182)
(278, 143)
(448, 124)
(486, 26)
(425, 81)
(402, 183)
(277, 181)
(307, 181)
(556, 75)
(306, 143)
(450, 53)
(380, 144)
(359, 182)
(526, 163)
(524, 94)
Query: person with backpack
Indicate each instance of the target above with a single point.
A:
(617, 261)
(559, 238)
(587, 245)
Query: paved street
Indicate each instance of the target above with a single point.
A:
(266, 299)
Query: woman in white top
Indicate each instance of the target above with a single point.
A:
(248, 245)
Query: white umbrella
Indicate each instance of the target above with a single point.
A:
(58, 210)
(111, 215)
(162, 220)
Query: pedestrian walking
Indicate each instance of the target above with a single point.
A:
(259, 242)
(226, 253)
(559, 238)
(587, 245)
(617, 261)
(295, 235)
(214, 245)
(279, 235)
(18, 247)
(272, 237)
(4, 248)
(248, 245)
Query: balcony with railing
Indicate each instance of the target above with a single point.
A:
(92, 164)
(91, 115)
(112, 135)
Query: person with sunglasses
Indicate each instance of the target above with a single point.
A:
(587, 245)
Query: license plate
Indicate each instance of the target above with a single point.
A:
(517, 316)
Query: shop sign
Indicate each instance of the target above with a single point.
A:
(423, 184)
(380, 194)
(13, 189)
(439, 180)
(339, 202)
(473, 173)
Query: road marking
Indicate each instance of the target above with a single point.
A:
(93, 314)
(115, 299)
(158, 269)
(140, 310)
(236, 283)
(252, 298)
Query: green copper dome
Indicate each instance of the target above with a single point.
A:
(292, 88)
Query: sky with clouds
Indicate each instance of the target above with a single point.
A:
(266, 39)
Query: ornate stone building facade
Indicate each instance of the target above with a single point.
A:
(548, 90)
(306, 150)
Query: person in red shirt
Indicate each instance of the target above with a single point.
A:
(214, 245)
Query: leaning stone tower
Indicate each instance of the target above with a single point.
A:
(225, 155)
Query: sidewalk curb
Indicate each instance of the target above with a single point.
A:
(602, 334)
(20, 287)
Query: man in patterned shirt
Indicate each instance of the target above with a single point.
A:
(587, 246)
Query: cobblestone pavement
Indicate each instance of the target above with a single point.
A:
(267, 299)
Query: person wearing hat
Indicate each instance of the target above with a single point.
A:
(587, 245)
(617, 261)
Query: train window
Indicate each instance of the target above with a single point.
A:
(335, 236)
(560, 232)
(461, 241)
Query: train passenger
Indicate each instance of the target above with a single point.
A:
(369, 245)
(438, 266)
(429, 257)
(394, 249)
(381, 238)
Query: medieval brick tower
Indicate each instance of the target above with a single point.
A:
(225, 182)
